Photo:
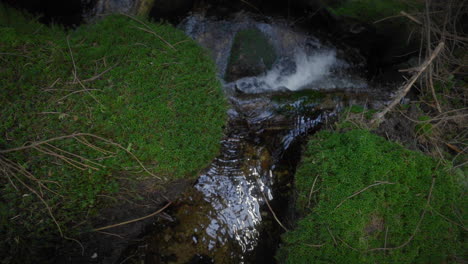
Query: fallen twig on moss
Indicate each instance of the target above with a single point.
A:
(75, 136)
(6, 163)
(429, 196)
(358, 192)
(149, 30)
(312, 190)
(405, 89)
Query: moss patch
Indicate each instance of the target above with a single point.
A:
(371, 195)
(251, 54)
(161, 103)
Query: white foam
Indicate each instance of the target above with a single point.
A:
(320, 70)
(309, 69)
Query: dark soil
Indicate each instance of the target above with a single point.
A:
(107, 246)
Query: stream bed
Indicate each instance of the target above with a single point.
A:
(234, 212)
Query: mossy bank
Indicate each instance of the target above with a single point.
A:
(87, 113)
(367, 200)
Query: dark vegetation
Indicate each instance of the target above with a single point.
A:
(88, 113)
(363, 199)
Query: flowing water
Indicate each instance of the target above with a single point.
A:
(225, 218)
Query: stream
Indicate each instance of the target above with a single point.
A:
(234, 211)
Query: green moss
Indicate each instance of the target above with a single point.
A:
(163, 104)
(348, 223)
(251, 51)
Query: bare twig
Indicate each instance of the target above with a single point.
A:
(97, 76)
(358, 192)
(312, 190)
(149, 30)
(107, 141)
(49, 210)
(271, 209)
(134, 220)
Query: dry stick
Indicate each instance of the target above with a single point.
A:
(417, 226)
(410, 17)
(149, 30)
(78, 242)
(17, 167)
(87, 143)
(38, 143)
(2, 160)
(378, 116)
(133, 220)
(428, 33)
(75, 92)
(251, 5)
(94, 77)
(315, 246)
(356, 193)
(330, 232)
(271, 209)
(74, 155)
(448, 220)
(386, 233)
(75, 72)
(312, 190)
(346, 244)
(72, 162)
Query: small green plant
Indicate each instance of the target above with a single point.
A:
(424, 127)
(367, 200)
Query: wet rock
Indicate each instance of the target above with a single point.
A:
(130, 7)
(252, 54)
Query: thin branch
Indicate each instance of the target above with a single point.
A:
(49, 210)
(358, 192)
(312, 190)
(149, 30)
(271, 209)
(107, 141)
(133, 220)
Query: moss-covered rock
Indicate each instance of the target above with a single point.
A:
(147, 88)
(251, 55)
(372, 202)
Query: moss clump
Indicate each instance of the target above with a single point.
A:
(161, 103)
(251, 54)
(372, 194)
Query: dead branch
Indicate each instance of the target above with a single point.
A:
(133, 220)
(379, 116)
